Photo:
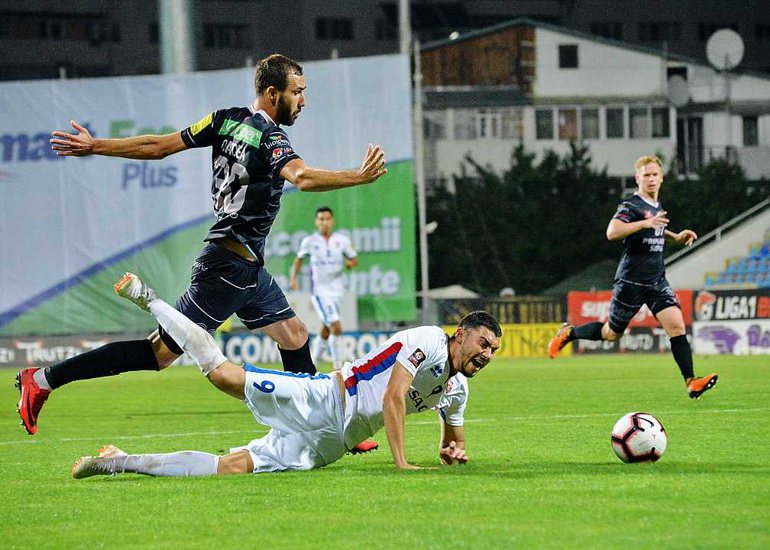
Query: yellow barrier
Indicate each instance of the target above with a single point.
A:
(526, 340)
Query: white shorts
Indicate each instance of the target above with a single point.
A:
(306, 417)
(327, 308)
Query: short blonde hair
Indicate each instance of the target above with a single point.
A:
(647, 159)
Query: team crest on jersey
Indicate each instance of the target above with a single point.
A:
(417, 357)
(277, 153)
(648, 214)
(437, 370)
(448, 385)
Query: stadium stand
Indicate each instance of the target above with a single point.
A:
(749, 271)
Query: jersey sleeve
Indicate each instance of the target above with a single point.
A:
(304, 248)
(202, 133)
(277, 149)
(347, 250)
(451, 407)
(625, 212)
(423, 348)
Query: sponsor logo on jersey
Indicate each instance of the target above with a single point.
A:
(417, 357)
(201, 124)
(437, 370)
(241, 132)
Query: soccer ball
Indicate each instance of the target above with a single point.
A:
(639, 437)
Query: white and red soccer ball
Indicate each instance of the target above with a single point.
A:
(639, 437)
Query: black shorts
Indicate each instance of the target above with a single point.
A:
(628, 297)
(223, 283)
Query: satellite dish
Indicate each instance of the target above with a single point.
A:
(724, 49)
(678, 91)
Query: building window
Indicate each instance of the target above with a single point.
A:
(488, 123)
(568, 56)
(567, 124)
(544, 124)
(434, 125)
(464, 124)
(218, 36)
(153, 32)
(385, 30)
(606, 29)
(705, 30)
(640, 122)
(512, 124)
(589, 121)
(661, 125)
(660, 31)
(334, 28)
(615, 123)
(750, 131)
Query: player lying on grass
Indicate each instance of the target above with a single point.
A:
(314, 420)
(640, 279)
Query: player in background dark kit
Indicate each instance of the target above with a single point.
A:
(640, 278)
(251, 159)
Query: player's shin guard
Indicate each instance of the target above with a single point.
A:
(589, 331)
(108, 360)
(198, 343)
(682, 351)
(298, 360)
(179, 464)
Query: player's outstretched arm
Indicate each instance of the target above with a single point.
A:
(394, 415)
(685, 237)
(147, 147)
(307, 178)
(452, 445)
(618, 229)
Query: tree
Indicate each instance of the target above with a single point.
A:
(539, 223)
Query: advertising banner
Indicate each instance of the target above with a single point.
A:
(732, 305)
(527, 309)
(732, 337)
(589, 307)
(78, 223)
(636, 340)
(525, 340)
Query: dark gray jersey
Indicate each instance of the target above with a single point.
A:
(642, 259)
(248, 152)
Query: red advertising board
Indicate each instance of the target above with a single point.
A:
(589, 307)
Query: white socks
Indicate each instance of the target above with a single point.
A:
(317, 348)
(198, 343)
(335, 348)
(41, 380)
(179, 464)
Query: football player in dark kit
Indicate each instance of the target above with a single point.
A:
(251, 159)
(640, 278)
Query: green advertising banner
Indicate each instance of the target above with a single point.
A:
(379, 219)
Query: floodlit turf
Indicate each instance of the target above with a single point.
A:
(542, 471)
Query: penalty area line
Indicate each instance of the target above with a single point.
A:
(123, 437)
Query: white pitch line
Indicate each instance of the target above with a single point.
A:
(419, 423)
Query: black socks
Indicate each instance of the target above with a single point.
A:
(682, 351)
(589, 331)
(108, 360)
(298, 360)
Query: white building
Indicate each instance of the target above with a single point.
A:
(543, 85)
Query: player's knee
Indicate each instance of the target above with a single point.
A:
(610, 335)
(238, 462)
(163, 355)
(675, 330)
(336, 328)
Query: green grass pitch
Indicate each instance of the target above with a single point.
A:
(542, 472)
